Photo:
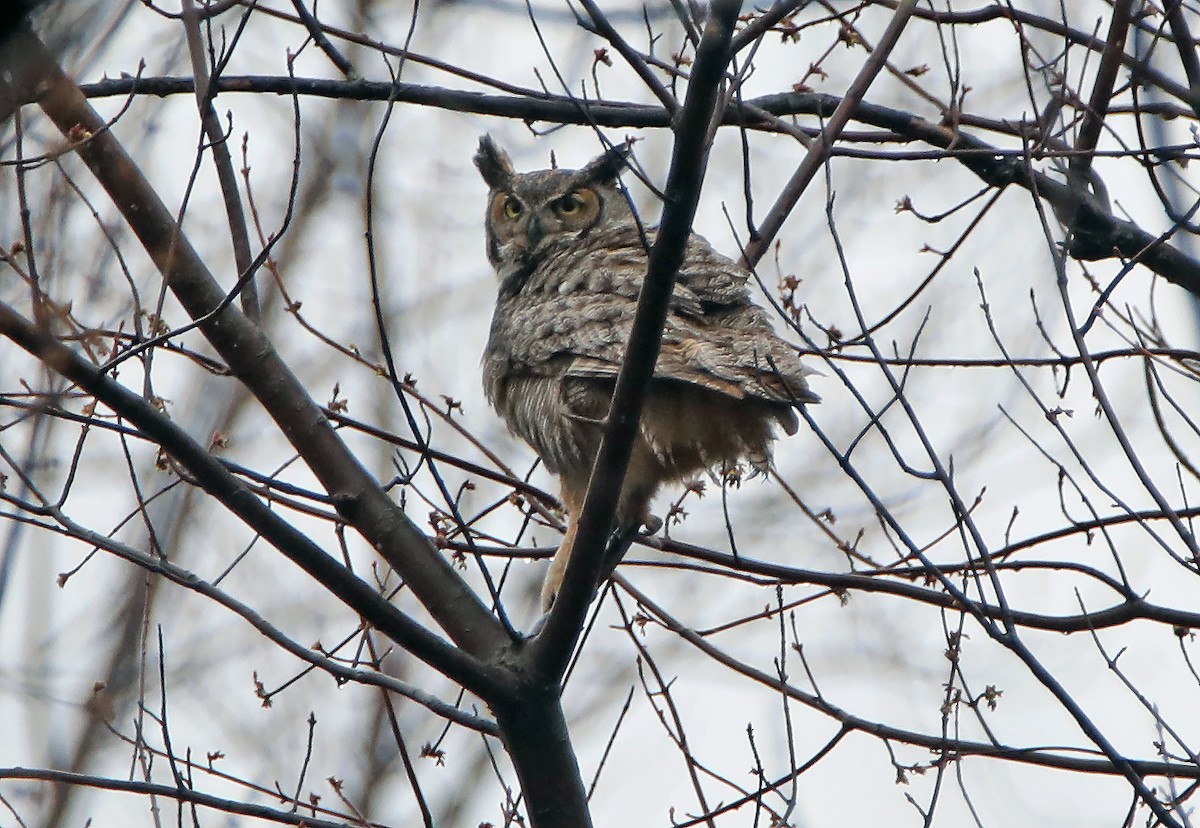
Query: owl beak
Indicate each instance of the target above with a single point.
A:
(534, 233)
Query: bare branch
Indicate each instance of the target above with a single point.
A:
(551, 649)
(222, 485)
(255, 362)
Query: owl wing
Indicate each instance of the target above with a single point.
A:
(736, 339)
(582, 367)
(573, 319)
(751, 362)
(715, 336)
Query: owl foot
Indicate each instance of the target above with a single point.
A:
(651, 524)
(618, 544)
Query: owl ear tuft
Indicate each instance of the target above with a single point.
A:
(494, 164)
(605, 168)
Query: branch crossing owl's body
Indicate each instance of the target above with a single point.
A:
(570, 258)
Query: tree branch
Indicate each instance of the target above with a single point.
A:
(901, 584)
(635, 61)
(1098, 233)
(1186, 46)
(818, 150)
(1102, 90)
(952, 748)
(211, 475)
(174, 793)
(252, 358)
(550, 651)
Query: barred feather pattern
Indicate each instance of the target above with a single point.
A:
(570, 259)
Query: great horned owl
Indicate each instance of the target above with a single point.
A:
(570, 259)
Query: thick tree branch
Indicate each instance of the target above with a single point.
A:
(1186, 46)
(252, 358)
(537, 740)
(211, 475)
(1098, 233)
(550, 651)
(1102, 91)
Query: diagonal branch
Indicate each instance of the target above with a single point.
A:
(550, 651)
(1186, 46)
(1045, 757)
(218, 141)
(188, 580)
(1097, 233)
(636, 62)
(179, 794)
(820, 149)
(251, 356)
(1079, 167)
(212, 475)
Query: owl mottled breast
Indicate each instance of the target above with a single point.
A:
(570, 259)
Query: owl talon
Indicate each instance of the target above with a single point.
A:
(538, 625)
(651, 524)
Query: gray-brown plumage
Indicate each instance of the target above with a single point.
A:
(570, 261)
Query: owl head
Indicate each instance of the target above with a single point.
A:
(530, 212)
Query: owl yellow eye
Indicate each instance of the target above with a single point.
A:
(505, 207)
(570, 204)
